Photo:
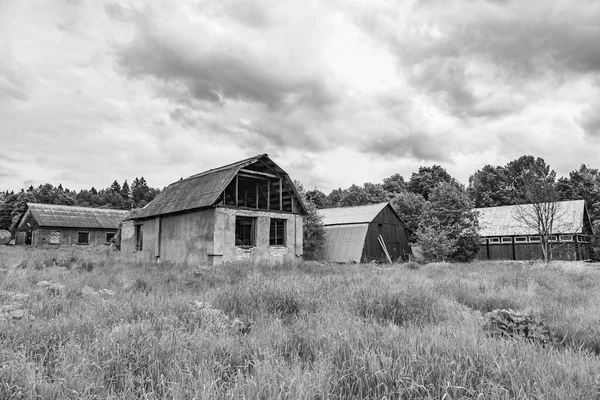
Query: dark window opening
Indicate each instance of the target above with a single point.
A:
(83, 237)
(109, 237)
(244, 231)
(139, 238)
(277, 232)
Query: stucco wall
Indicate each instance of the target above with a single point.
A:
(187, 238)
(149, 235)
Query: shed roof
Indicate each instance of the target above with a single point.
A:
(504, 221)
(204, 189)
(59, 216)
(351, 215)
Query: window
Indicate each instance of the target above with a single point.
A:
(109, 237)
(520, 239)
(54, 238)
(583, 239)
(277, 232)
(534, 239)
(244, 231)
(506, 240)
(139, 238)
(494, 240)
(482, 241)
(566, 238)
(83, 237)
(554, 238)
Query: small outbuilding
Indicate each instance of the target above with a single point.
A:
(247, 210)
(505, 235)
(352, 234)
(51, 224)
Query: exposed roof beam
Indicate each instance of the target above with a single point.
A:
(266, 174)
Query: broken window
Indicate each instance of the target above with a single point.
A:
(83, 237)
(139, 238)
(54, 237)
(277, 232)
(109, 237)
(244, 231)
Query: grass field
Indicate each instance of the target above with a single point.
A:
(77, 324)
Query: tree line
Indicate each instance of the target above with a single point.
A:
(116, 196)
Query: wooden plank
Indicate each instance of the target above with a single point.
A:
(257, 173)
(280, 194)
(237, 183)
(269, 196)
(257, 195)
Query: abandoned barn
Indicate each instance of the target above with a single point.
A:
(507, 232)
(51, 224)
(352, 234)
(248, 210)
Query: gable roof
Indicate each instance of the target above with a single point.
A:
(504, 221)
(351, 215)
(58, 216)
(204, 189)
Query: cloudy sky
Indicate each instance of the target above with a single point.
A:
(336, 92)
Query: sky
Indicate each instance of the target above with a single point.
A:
(336, 92)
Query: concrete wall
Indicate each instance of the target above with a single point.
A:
(63, 236)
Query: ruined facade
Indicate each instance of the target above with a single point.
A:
(248, 210)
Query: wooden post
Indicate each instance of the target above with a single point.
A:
(257, 195)
(236, 190)
(268, 195)
(280, 194)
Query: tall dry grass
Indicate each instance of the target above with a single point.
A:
(111, 328)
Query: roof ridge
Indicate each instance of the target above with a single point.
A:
(362, 205)
(224, 167)
(74, 207)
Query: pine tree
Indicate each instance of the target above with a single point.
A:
(115, 187)
(125, 193)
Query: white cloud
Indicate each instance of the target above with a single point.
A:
(337, 92)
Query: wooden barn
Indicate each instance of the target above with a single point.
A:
(352, 234)
(248, 210)
(50, 224)
(504, 236)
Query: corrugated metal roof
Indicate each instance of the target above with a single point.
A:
(351, 215)
(504, 221)
(52, 215)
(204, 189)
(344, 243)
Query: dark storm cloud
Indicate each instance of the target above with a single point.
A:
(218, 74)
(418, 145)
(464, 58)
